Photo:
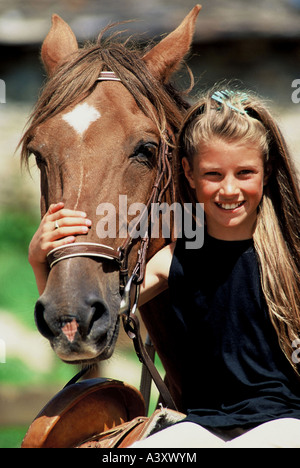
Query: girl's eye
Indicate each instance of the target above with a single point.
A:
(246, 172)
(212, 173)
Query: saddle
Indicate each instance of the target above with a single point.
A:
(96, 413)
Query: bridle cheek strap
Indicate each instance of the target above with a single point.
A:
(162, 182)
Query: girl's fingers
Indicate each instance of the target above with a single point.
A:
(66, 213)
(57, 211)
(46, 239)
(64, 222)
(64, 241)
(54, 207)
(58, 217)
(65, 231)
(49, 240)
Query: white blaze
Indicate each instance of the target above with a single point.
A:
(81, 117)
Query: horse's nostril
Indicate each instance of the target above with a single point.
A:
(98, 309)
(40, 321)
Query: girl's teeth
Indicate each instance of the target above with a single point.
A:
(230, 206)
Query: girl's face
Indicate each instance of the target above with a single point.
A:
(229, 179)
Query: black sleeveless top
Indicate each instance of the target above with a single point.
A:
(233, 370)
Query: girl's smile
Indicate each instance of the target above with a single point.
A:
(229, 179)
(230, 206)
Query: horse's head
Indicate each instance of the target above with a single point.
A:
(97, 143)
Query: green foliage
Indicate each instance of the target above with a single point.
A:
(18, 291)
(16, 372)
(16, 230)
(11, 437)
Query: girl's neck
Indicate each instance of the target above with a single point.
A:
(231, 234)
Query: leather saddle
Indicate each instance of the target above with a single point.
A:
(96, 413)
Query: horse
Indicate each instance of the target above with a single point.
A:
(101, 128)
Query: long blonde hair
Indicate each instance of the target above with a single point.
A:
(240, 116)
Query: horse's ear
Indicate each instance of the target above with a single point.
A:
(164, 58)
(58, 44)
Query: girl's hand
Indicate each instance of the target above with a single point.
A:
(58, 227)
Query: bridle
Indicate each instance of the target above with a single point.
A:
(129, 287)
(163, 181)
(120, 255)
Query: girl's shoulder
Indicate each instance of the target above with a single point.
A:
(163, 257)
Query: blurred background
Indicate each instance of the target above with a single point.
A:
(256, 42)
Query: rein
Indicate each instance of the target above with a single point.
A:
(129, 287)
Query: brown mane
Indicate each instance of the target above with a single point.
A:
(76, 79)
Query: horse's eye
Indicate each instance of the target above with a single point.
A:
(40, 161)
(145, 153)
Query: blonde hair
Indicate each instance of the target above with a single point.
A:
(245, 118)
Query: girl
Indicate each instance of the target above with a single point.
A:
(236, 300)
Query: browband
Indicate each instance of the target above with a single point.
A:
(108, 76)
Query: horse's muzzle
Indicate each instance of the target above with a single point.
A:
(84, 333)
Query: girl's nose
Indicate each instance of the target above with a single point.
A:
(229, 187)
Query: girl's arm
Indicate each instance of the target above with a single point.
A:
(156, 274)
(48, 237)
